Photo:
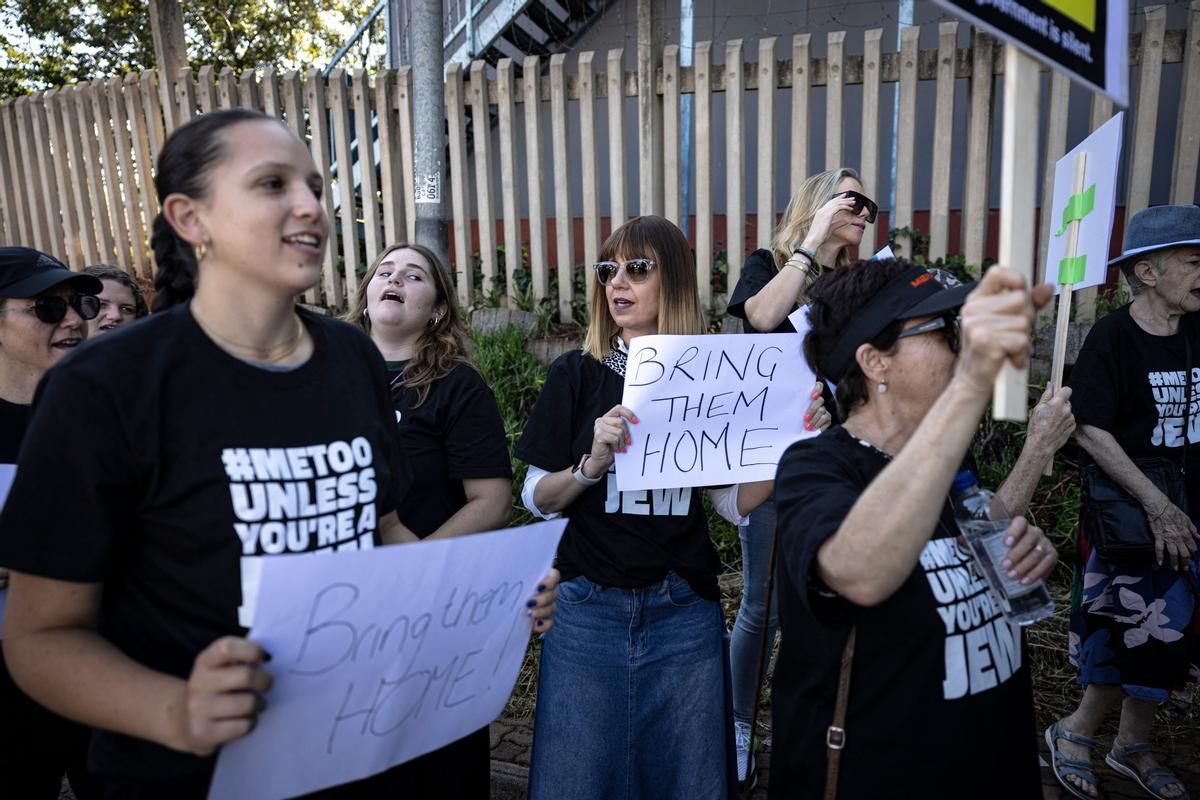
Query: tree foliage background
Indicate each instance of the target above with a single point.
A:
(46, 43)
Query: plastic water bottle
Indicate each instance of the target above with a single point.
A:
(984, 523)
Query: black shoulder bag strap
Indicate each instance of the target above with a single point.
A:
(835, 737)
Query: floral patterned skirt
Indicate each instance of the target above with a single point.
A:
(1136, 626)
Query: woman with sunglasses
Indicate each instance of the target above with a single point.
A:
(136, 562)
(454, 437)
(44, 309)
(630, 685)
(939, 701)
(824, 219)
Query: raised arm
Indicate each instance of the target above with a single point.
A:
(876, 547)
(1050, 425)
(774, 301)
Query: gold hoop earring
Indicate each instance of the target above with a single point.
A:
(201, 252)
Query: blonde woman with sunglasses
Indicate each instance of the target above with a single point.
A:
(824, 219)
(631, 699)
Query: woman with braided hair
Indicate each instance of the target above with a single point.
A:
(135, 563)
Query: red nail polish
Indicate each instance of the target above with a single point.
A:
(628, 440)
(808, 426)
(815, 395)
(635, 419)
(807, 417)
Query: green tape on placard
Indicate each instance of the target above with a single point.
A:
(1071, 270)
(1078, 207)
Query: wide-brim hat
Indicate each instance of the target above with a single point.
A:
(25, 272)
(1160, 228)
(916, 292)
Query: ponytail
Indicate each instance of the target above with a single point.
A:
(175, 279)
(183, 165)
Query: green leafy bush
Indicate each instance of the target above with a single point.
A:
(515, 377)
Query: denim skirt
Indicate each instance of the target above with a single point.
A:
(632, 699)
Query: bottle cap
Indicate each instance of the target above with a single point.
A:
(963, 481)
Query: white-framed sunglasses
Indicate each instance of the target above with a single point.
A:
(637, 270)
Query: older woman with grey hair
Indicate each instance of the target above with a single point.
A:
(1134, 622)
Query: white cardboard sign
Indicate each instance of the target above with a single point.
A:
(1103, 150)
(712, 409)
(383, 655)
(7, 473)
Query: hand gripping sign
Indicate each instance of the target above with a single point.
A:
(712, 409)
(383, 655)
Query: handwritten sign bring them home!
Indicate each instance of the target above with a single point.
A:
(380, 656)
(712, 410)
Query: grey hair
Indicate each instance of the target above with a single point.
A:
(1136, 286)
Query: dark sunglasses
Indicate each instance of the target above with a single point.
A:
(861, 201)
(949, 325)
(637, 270)
(52, 308)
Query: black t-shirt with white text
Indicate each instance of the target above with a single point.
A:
(1134, 385)
(623, 539)
(455, 434)
(940, 701)
(757, 272)
(166, 469)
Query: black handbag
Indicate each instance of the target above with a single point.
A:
(1117, 525)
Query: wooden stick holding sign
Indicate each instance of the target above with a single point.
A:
(1018, 199)
(1070, 271)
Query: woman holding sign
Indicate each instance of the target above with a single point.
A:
(215, 429)
(630, 689)
(451, 430)
(825, 218)
(891, 646)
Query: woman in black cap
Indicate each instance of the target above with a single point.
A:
(44, 309)
(1134, 620)
(136, 560)
(939, 702)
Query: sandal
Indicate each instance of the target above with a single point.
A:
(1062, 767)
(1152, 780)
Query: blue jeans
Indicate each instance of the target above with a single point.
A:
(748, 628)
(631, 701)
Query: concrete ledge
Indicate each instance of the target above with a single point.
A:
(495, 320)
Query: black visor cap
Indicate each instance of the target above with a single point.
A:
(911, 294)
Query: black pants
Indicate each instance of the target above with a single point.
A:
(460, 770)
(37, 748)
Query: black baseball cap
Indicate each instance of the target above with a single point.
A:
(25, 272)
(916, 292)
